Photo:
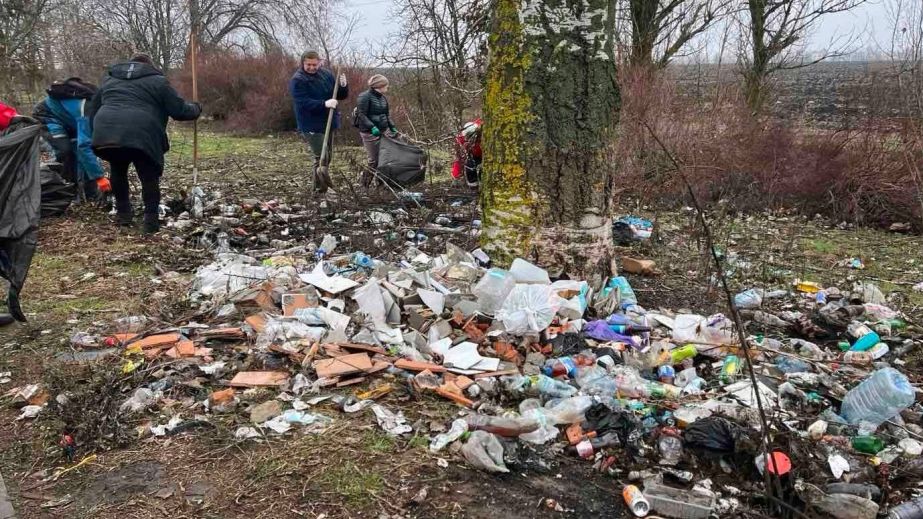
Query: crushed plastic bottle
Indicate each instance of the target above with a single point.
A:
(549, 387)
(878, 398)
(791, 365)
(752, 298)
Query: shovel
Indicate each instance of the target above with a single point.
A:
(322, 180)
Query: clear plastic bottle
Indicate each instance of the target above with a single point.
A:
(791, 365)
(878, 398)
(492, 290)
(547, 386)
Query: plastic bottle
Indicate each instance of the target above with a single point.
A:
(361, 259)
(878, 398)
(791, 365)
(847, 506)
(459, 428)
(730, 369)
(492, 290)
(501, 426)
(866, 342)
(863, 358)
(566, 365)
(636, 501)
(908, 510)
(666, 374)
(589, 446)
(857, 489)
(867, 444)
(550, 387)
(682, 353)
(878, 351)
(752, 298)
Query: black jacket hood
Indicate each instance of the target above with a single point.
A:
(133, 70)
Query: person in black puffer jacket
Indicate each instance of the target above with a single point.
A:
(373, 121)
(129, 118)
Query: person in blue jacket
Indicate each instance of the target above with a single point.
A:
(312, 93)
(63, 113)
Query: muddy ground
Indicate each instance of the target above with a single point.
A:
(87, 271)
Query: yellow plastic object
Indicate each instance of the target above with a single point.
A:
(808, 287)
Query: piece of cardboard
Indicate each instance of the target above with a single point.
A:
(258, 378)
(345, 365)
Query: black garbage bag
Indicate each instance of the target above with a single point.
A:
(714, 433)
(401, 164)
(622, 422)
(57, 193)
(20, 200)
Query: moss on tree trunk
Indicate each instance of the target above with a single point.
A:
(551, 111)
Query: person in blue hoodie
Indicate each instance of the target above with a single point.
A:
(63, 113)
(312, 93)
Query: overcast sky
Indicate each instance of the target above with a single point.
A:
(869, 21)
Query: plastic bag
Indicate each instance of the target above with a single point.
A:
(525, 272)
(484, 451)
(529, 308)
(285, 330)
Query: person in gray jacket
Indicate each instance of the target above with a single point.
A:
(373, 120)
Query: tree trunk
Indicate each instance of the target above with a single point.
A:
(551, 106)
(644, 30)
(758, 69)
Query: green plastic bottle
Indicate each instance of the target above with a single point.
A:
(867, 444)
(680, 354)
(729, 369)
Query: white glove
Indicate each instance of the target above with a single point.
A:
(330, 103)
(342, 80)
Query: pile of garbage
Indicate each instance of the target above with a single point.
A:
(669, 403)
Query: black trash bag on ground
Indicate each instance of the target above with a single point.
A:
(717, 434)
(57, 193)
(603, 420)
(20, 200)
(401, 164)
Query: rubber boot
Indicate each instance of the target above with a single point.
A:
(124, 219)
(151, 224)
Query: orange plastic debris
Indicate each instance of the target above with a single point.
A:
(162, 339)
(222, 397)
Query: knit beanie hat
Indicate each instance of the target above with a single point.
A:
(378, 81)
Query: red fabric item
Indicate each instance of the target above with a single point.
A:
(462, 150)
(6, 115)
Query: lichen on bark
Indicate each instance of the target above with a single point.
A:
(551, 107)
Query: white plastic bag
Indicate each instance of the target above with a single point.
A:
(529, 308)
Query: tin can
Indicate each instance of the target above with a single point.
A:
(636, 501)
